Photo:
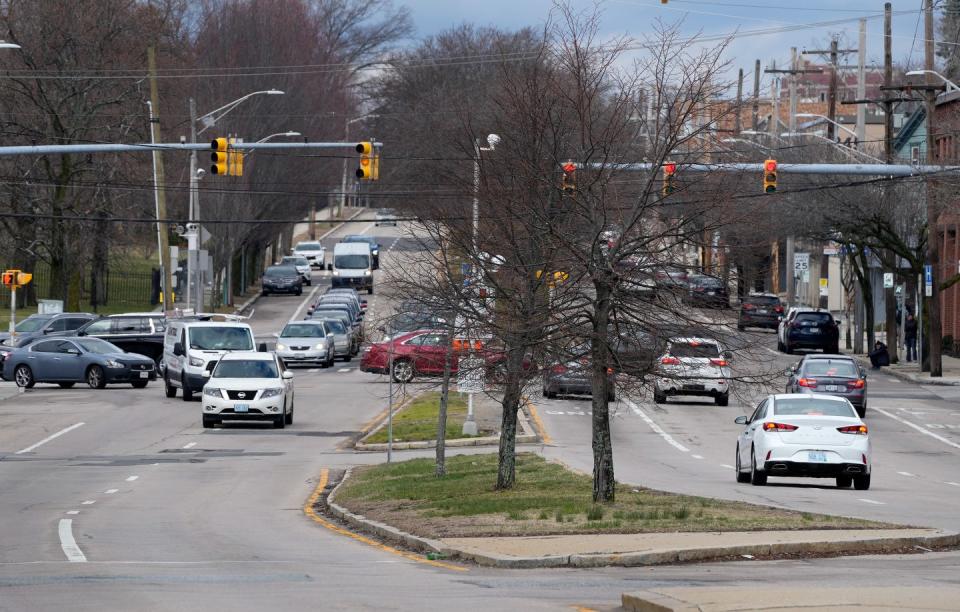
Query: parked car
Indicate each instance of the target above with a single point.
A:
(405, 322)
(247, 386)
(345, 319)
(344, 346)
(370, 240)
(306, 342)
(812, 330)
(301, 264)
(573, 376)
(43, 324)
(693, 366)
(67, 361)
(419, 353)
(312, 251)
(810, 436)
(281, 279)
(140, 333)
(385, 216)
(760, 310)
(191, 350)
(837, 375)
(708, 291)
(785, 321)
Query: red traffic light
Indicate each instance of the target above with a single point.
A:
(569, 168)
(669, 168)
(770, 165)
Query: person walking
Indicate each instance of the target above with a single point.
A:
(910, 337)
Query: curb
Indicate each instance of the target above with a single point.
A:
(649, 601)
(910, 377)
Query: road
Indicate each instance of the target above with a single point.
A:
(119, 499)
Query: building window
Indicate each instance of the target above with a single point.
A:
(915, 155)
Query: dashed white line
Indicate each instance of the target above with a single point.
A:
(111, 491)
(344, 369)
(190, 445)
(132, 478)
(729, 467)
(656, 428)
(89, 502)
(917, 427)
(48, 438)
(697, 456)
(955, 484)
(313, 370)
(906, 474)
(872, 501)
(73, 512)
(68, 544)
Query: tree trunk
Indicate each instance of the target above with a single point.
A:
(604, 485)
(507, 458)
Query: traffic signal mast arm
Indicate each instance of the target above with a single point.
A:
(169, 146)
(893, 170)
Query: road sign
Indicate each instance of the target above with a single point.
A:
(824, 286)
(471, 375)
(888, 280)
(928, 280)
(801, 263)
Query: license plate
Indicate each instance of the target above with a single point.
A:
(144, 374)
(816, 457)
(763, 311)
(241, 407)
(831, 388)
(814, 330)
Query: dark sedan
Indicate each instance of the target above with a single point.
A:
(833, 375)
(281, 279)
(707, 291)
(574, 377)
(67, 361)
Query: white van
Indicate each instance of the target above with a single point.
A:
(353, 266)
(192, 348)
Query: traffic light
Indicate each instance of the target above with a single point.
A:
(376, 167)
(365, 169)
(10, 277)
(23, 278)
(569, 181)
(220, 156)
(15, 278)
(235, 158)
(669, 169)
(770, 176)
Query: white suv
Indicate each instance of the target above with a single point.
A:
(192, 348)
(313, 251)
(693, 366)
(249, 386)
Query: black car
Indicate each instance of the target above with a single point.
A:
(812, 330)
(374, 246)
(708, 291)
(140, 333)
(281, 279)
(575, 376)
(758, 310)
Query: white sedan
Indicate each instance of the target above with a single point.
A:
(812, 436)
(249, 386)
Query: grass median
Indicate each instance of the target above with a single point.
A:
(418, 421)
(548, 499)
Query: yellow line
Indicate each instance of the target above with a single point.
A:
(539, 423)
(309, 511)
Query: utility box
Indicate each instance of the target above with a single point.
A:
(49, 306)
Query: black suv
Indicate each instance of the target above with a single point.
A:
(709, 291)
(140, 333)
(281, 279)
(760, 310)
(812, 330)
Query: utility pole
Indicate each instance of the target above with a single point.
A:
(834, 52)
(933, 236)
(792, 119)
(862, 85)
(756, 96)
(889, 297)
(166, 271)
(775, 100)
(737, 124)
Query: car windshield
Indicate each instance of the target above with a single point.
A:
(762, 300)
(302, 330)
(829, 367)
(812, 406)
(280, 271)
(297, 261)
(813, 319)
(335, 326)
(221, 339)
(700, 349)
(100, 347)
(31, 324)
(352, 262)
(307, 246)
(246, 368)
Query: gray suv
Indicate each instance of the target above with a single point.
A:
(42, 324)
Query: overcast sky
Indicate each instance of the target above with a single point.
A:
(711, 17)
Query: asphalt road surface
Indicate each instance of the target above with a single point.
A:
(120, 500)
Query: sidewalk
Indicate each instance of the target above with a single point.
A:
(715, 599)
(909, 372)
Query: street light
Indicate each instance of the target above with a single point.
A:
(951, 86)
(346, 138)
(277, 135)
(827, 119)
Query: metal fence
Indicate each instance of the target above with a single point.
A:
(134, 288)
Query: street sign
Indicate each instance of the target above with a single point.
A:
(824, 286)
(801, 265)
(831, 248)
(888, 280)
(471, 375)
(928, 280)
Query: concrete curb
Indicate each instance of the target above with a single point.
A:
(256, 296)
(649, 601)
(919, 378)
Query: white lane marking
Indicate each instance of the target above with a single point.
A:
(368, 228)
(777, 353)
(190, 445)
(132, 478)
(656, 428)
(111, 491)
(344, 369)
(697, 456)
(73, 512)
(906, 474)
(68, 544)
(871, 501)
(303, 304)
(956, 484)
(729, 467)
(48, 438)
(917, 427)
(89, 502)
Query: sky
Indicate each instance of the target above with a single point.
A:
(711, 18)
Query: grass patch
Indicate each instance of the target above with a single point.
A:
(547, 499)
(418, 421)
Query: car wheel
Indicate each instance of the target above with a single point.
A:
(96, 379)
(348, 357)
(757, 478)
(742, 477)
(168, 389)
(279, 421)
(862, 411)
(187, 392)
(66, 385)
(288, 419)
(209, 421)
(264, 293)
(299, 291)
(612, 396)
(787, 348)
(722, 400)
(861, 483)
(140, 384)
(659, 397)
(23, 376)
(403, 371)
(844, 482)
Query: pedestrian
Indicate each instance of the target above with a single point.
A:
(910, 337)
(879, 356)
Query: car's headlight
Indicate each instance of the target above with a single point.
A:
(196, 362)
(114, 364)
(375, 252)
(281, 347)
(336, 272)
(367, 272)
(320, 346)
(212, 392)
(271, 393)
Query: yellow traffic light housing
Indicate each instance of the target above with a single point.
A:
(220, 156)
(770, 176)
(235, 158)
(569, 181)
(23, 278)
(365, 169)
(669, 185)
(10, 277)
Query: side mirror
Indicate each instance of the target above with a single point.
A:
(287, 375)
(275, 335)
(206, 373)
(740, 420)
(178, 349)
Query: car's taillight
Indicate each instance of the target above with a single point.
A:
(808, 382)
(609, 370)
(558, 369)
(719, 362)
(778, 309)
(855, 384)
(748, 306)
(670, 361)
(857, 430)
(771, 426)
